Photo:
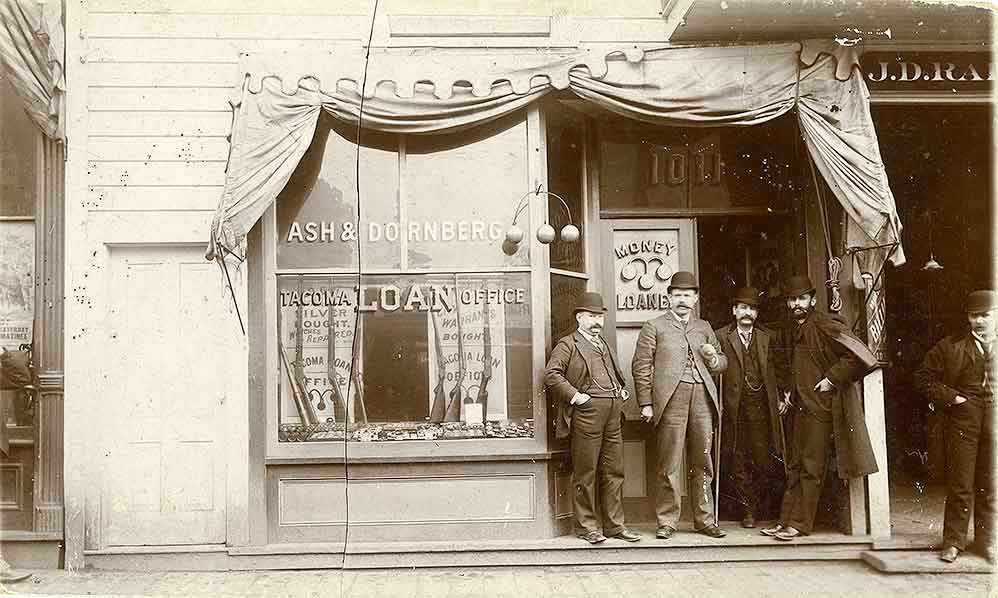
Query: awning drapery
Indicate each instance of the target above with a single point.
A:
(419, 93)
(32, 44)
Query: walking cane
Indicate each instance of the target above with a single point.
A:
(783, 445)
(717, 445)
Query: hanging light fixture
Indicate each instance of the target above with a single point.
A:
(931, 265)
(545, 232)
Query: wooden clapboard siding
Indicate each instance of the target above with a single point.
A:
(229, 25)
(150, 148)
(299, 7)
(158, 198)
(160, 75)
(152, 174)
(166, 124)
(207, 50)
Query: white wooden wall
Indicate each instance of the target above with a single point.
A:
(149, 83)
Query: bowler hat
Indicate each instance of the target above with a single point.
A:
(979, 301)
(591, 302)
(747, 295)
(683, 280)
(797, 285)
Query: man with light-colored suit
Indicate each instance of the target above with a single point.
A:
(675, 357)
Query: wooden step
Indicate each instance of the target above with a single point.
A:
(924, 561)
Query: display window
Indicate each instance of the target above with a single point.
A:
(397, 314)
(422, 357)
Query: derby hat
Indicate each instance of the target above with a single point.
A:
(591, 302)
(797, 285)
(979, 301)
(748, 296)
(683, 280)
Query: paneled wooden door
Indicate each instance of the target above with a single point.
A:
(163, 471)
(639, 259)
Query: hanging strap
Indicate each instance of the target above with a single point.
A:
(834, 263)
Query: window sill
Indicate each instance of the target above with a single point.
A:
(424, 458)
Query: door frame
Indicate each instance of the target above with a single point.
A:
(640, 508)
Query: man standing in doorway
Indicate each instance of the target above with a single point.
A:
(675, 356)
(584, 378)
(819, 360)
(958, 377)
(752, 443)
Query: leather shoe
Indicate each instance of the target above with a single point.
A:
(627, 536)
(949, 554)
(664, 532)
(748, 521)
(593, 537)
(713, 531)
(787, 534)
(771, 531)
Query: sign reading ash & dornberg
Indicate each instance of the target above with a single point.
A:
(927, 71)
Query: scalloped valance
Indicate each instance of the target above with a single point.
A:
(431, 91)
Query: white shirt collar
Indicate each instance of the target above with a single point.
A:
(981, 343)
(681, 319)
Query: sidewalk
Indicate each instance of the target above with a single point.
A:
(735, 580)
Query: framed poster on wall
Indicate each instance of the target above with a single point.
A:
(17, 281)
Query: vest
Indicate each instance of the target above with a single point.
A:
(752, 370)
(970, 382)
(602, 381)
(691, 374)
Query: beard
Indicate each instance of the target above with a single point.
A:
(800, 312)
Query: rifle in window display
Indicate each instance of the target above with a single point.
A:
(454, 407)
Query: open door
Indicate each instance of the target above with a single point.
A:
(640, 257)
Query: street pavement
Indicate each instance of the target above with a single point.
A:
(736, 580)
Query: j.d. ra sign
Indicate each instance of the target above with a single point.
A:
(923, 71)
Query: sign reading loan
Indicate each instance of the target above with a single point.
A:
(644, 262)
(403, 357)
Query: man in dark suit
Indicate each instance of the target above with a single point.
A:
(958, 378)
(818, 362)
(584, 378)
(752, 442)
(675, 357)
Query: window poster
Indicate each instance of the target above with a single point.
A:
(17, 282)
(403, 358)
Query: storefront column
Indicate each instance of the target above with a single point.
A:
(48, 333)
(878, 490)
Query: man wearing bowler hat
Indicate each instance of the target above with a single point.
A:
(752, 442)
(584, 379)
(675, 357)
(958, 377)
(818, 362)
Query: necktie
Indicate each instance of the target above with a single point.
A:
(746, 338)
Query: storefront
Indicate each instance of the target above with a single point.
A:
(932, 105)
(32, 200)
(403, 287)
(357, 373)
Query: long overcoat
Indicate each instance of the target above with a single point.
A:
(824, 347)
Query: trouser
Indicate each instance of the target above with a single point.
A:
(812, 440)
(687, 423)
(753, 474)
(598, 446)
(970, 475)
